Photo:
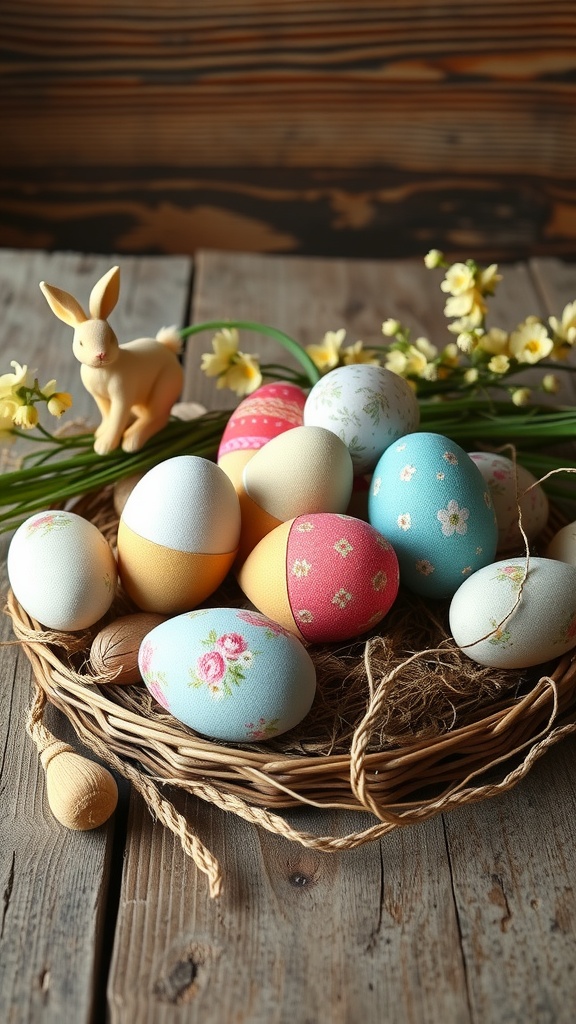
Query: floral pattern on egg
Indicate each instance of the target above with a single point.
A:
(367, 406)
(431, 501)
(516, 613)
(504, 479)
(342, 576)
(229, 673)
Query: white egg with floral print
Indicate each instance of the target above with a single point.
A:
(514, 614)
(367, 406)
(229, 673)
(62, 570)
(430, 500)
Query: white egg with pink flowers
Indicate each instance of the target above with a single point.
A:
(62, 570)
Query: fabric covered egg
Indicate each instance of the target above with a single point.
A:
(325, 577)
(507, 617)
(368, 407)
(306, 469)
(430, 500)
(62, 570)
(178, 534)
(229, 673)
(267, 412)
(506, 480)
(563, 545)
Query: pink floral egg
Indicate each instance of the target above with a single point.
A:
(229, 673)
(325, 576)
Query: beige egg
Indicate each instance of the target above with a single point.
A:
(563, 545)
(306, 469)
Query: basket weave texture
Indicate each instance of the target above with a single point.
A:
(403, 782)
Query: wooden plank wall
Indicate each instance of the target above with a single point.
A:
(311, 126)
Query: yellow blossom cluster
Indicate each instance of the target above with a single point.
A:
(479, 357)
(329, 354)
(20, 393)
(233, 369)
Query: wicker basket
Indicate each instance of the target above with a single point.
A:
(398, 784)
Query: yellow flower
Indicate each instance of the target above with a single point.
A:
(410, 362)
(467, 342)
(426, 347)
(551, 384)
(225, 345)
(390, 327)
(430, 372)
(471, 375)
(458, 280)
(396, 361)
(59, 402)
(434, 258)
(530, 342)
(416, 361)
(8, 407)
(488, 278)
(356, 353)
(26, 416)
(10, 382)
(499, 364)
(521, 396)
(565, 329)
(494, 341)
(468, 304)
(243, 376)
(326, 355)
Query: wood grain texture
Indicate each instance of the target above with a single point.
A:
(54, 882)
(322, 127)
(514, 884)
(296, 937)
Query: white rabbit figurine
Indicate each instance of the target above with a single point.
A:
(135, 384)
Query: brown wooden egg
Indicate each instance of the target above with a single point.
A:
(115, 648)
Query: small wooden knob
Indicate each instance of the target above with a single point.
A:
(82, 794)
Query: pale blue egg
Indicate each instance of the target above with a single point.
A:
(229, 673)
(429, 499)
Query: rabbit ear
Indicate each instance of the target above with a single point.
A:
(63, 305)
(104, 294)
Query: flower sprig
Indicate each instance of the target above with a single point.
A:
(481, 357)
(20, 394)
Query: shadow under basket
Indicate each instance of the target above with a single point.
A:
(369, 755)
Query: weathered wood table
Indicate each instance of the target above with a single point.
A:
(469, 917)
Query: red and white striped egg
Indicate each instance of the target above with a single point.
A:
(267, 412)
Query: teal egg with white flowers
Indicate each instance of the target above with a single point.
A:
(229, 673)
(430, 500)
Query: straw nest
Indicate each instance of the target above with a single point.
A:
(404, 725)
